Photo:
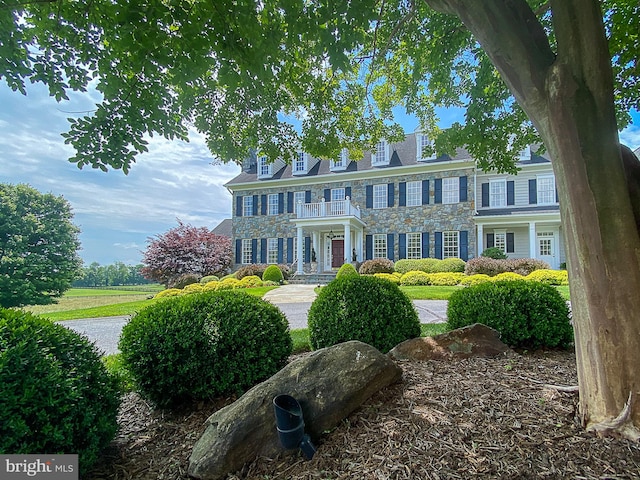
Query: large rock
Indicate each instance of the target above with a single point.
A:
(475, 340)
(329, 384)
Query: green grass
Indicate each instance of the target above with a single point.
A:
(127, 290)
(429, 292)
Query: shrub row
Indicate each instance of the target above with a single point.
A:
(418, 277)
(258, 270)
(430, 265)
(492, 266)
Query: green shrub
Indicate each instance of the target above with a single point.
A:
(377, 265)
(57, 396)
(209, 278)
(227, 284)
(454, 265)
(392, 277)
(494, 252)
(363, 308)
(507, 276)
(492, 267)
(527, 314)
(345, 270)
(273, 274)
(202, 346)
(407, 265)
(169, 292)
(414, 278)
(550, 277)
(184, 280)
(256, 269)
(524, 266)
(192, 288)
(250, 281)
(116, 367)
(469, 280)
(446, 278)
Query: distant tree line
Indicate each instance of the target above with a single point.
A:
(96, 275)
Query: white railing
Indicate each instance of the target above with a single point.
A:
(338, 208)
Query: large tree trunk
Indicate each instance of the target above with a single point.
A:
(568, 95)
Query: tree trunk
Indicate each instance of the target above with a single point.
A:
(568, 95)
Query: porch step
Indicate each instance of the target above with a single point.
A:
(312, 278)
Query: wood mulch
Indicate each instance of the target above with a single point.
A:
(475, 418)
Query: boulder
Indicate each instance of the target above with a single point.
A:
(475, 340)
(329, 384)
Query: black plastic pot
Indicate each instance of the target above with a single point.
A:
(290, 425)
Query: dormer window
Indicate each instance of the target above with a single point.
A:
(525, 153)
(381, 156)
(299, 166)
(424, 148)
(341, 162)
(265, 169)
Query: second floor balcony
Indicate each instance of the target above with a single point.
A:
(322, 209)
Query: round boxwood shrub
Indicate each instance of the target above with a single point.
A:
(527, 314)
(392, 277)
(452, 265)
(376, 265)
(202, 346)
(57, 396)
(475, 279)
(273, 274)
(363, 308)
(446, 279)
(209, 278)
(415, 277)
(345, 270)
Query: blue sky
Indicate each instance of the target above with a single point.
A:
(115, 212)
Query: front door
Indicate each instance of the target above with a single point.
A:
(547, 248)
(337, 253)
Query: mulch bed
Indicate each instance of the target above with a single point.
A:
(475, 418)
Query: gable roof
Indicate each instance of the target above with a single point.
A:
(224, 228)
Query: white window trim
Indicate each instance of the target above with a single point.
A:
(246, 253)
(420, 137)
(451, 195)
(445, 237)
(502, 181)
(379, 239)
(341, 164)
(414, 200)
(265, 169)
(247, 206)
(417, 252)
(272, 250)
(553, 191)
(295, 168)
(272, 205)
(503, 235)
(383, 199)
(375, 160)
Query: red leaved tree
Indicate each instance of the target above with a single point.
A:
(186, 249)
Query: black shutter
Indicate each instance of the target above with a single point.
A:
(438, 241)
(281, 203)
(254, 250)
(290, 249)
(290, 207)
(254, 205)
(238, 250)
(239, 206)
(437, 193)
(463, 189)
(402, 194)
(464, 245)
(347, 192)
(368, 242)
(390, 246)
(533, 191)
(307, 196)
(327, 194)
(402, 246)
(263, 205)
(263, 250)
(425, 244)
(425, 192)
(390, 194)
(280, 249)
(490, 240)
(511, 195)
(369, 199)
(307, 249)
(510, 242)
(485, 194)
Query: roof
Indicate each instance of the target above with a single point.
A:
(517, 210)
(224, 228)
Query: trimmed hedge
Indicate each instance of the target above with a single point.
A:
(492, 267)
(527, 314)
(430, 265)
(363, 308)
(206, 345)
(273, 274)
(415, 277)
(57, 396)
(345, 270)
(376, 265)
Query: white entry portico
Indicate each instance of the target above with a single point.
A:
(337, 233)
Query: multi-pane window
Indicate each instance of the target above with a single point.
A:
(500, 241)
(272, 250)
(414, 194)
(341, 162)
(450, 245)
(545, 244)
(298, 197)
(425, 147)
(450, 190)
(380, 245)
(337, 203)
(498, 193)
(380, 196)
(546, 189)
(246, 250)
(272, 202)
(414, 245)
(264, 167)
(247, 206)
(380, 157)
(300, 163)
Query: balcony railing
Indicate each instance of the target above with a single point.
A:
(338, 208)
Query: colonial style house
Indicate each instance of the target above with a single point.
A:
(398, 202)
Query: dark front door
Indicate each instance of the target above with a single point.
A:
(337, 251)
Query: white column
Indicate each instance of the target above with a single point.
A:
(300, 241)
(532, 239)
(316, 243)
(347, 242)
(480, 240)
(359, 242)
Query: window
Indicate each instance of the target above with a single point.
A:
(424, 148)
(272, 204)
(414, 245)
(337, 201)
(450, 245)
(380, 245)
(272, 250)
(337, 194)
(545, 244)
(498, 193)
(298, 197)
(247, 206)
(300, 163)
(546, 189)
(414, 194)
(246, 250)
(500, 241)
(381, 156)
(341, 162)
(264, 167)
(380, 196)
(450, 190)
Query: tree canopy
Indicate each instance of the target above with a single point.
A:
(38, 246)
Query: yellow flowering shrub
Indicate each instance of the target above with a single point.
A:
(169, 292)
(392, 277)
(507, 276)
(470, 280)
(446, 278)
(550, 277)
(415, 277)
(249, 281)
